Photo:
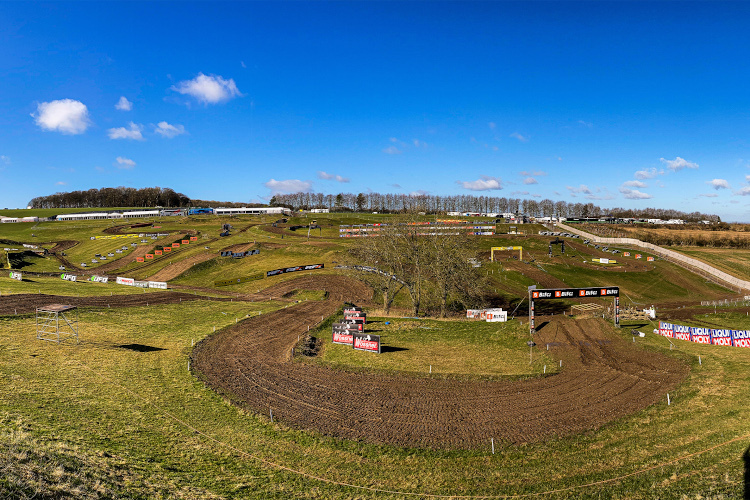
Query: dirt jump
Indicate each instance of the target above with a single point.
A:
(602, 378)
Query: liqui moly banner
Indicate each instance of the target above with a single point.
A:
(700, 335)
(365, 342)
(721, 337)
(125, 281)
(68, 277)
(16, 276)
(343, 338)
(741, 338)
(682, 332)
(666, 329)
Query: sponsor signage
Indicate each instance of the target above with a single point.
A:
(626, 254)
(158, 252)
(570, 293)
(308, 267)
(666, 329)
(68, 277)
(149, 256)
(700, 335)
(185, 242)
(342, 337)
(167, 249)
(193, 238)
(650, 259)
(366, 342)
(682, 332)
(139, 259)
(16, 276)
(125, 281)
(99, 279)
(238, 255)
(175, 245)
(234, 281)
(157, 284)
(741, 338)
(638, 256)
(140, 284)
(349, 326)
(721, 337)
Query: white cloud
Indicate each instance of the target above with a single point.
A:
(709, 195)
(678, 164)
(719, 184)
(124, 163)
(419, 144)
(60, 183)
(211, 89)
(649, 173)
(535, 173)
(164, 129)
(634, 194)
(67, 116)
(5, 160)
(585, 124)
(635, 184)
(747, 177)
(392, 150)
(123, 104)
(530, 180)
(518, 136)
(328, 177)
(583, 189)
(134, 132)
(288, 186)
(745, 191)
(519, 193)
(484, 183)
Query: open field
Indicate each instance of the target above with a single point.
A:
(120, 415)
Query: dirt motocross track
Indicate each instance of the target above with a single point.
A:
(602, 378)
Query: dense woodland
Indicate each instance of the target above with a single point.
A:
(126, 197)
(362, 202)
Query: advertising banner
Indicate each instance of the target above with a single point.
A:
(16, 276)
(342, 337)
(149, 256)
(626, 254)
(666, 329)
(68, 277)
(365, 342)
(570, 293)
(167, 249)
(175, 245)
(682, 332)
(701, 335)
(721, 337)
(741, 338)
(308, 267)
(352, 325)
(99, 279)
(185, 242)
(650, 259)
(139, 259)
(125, 281)
(193, 238)
(140, 284)
(352, 309)
(158, 252)
(157, 284)
(638, 256)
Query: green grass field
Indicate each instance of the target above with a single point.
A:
(120, 415)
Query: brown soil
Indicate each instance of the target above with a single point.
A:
(603, 378)
(171, 271)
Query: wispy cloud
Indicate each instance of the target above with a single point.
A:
(133, 132)
(585, 124)
(648, 173)
(535, 173)
(331, 177)
(516, 135)
(484, 183)
(208, 89)
(5, 160)
(392, 150)
(288, 186)
(678, 164)
(745, 191)
(708, 195)
(634, 194)
(124, 163)
(719, 184)
(123, 104)
(66, 116)
(61, 183)
(635, 184)
(530, 180)
(419, 144)
(581, 189)
(169, 131)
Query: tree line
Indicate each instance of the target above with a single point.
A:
(436, 204)
(109, 197)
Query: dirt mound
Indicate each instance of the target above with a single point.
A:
(24, 303)
(171, 271)
(603, 378)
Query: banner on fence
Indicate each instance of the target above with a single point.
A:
(741, 338)
(238, 255)
(140, 284)
(157, 284)
(16, 276)
(99, 279)
(68, 277)
(700, 335)
(308, 267)
(721, 337)
(682, 332)
(125, 281)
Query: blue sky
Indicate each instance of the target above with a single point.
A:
(628, 104)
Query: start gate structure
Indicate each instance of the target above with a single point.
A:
(57, 322)
(572, 293)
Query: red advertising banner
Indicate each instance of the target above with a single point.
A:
(139, 259)
(158, 252)
(193, 238)
(343, 338)
(149, 256)
(175, 245)
(185, 242)
(365, 342)
(167, 249)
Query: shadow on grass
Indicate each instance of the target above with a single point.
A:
(746, 458)
(140, 347)
(388, 348)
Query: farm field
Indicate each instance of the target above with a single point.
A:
(152, 394)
